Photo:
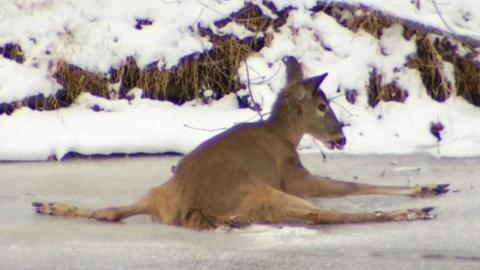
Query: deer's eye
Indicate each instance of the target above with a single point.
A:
(322, 107)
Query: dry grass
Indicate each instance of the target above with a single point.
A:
(466, 69)
(155, 83)
(372, 22)
(216, 69)
(13, 52)
(377, 91)
(220, 68)
(127, 75)
(429, 59)
(356, 18)
(467, 78)
(430, 64)
(252, 17)
(7, 108)
(76, 80)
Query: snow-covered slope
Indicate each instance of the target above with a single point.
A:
(97, 35)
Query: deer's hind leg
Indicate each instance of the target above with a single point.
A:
(113, 214)
(280, 207)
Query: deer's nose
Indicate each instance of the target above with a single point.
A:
(342, 141)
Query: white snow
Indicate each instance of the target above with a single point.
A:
(141, 126)
(97, 35)
(18, 81)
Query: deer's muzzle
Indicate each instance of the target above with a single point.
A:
(339, 143)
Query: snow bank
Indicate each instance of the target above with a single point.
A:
(141, 126)
(101, 37)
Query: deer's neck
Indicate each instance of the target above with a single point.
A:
(286, 121)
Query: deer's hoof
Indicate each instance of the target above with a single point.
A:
(427, 213)
(441, 189)
(430, 191)
(50, 208)
(37, 204)
(420, 214)
(38, 207)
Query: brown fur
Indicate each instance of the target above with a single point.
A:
(252, 173)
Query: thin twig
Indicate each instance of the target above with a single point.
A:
(442, 18)
(254, 116)
(205, 129)
(171, 2)
(319, 148)
(216, 11)
(337, 96)
(326, 157)
(250, 90)
(266, 80)
(219, 12)
(198, 17)
(345, 109)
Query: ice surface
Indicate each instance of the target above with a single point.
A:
(31, 241)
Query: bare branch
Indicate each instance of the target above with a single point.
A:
(250, 90)
(450, 29)
(205, 129)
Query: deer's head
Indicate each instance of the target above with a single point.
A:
(316, 116)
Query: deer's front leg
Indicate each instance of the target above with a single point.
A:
(303, 184)
(325, 187)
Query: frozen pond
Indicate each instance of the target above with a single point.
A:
(31, 241)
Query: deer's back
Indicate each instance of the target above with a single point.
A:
(218, 175)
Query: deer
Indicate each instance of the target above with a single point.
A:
(252, 173)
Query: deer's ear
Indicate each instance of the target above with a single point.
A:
(294, 70)
(313, 83)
